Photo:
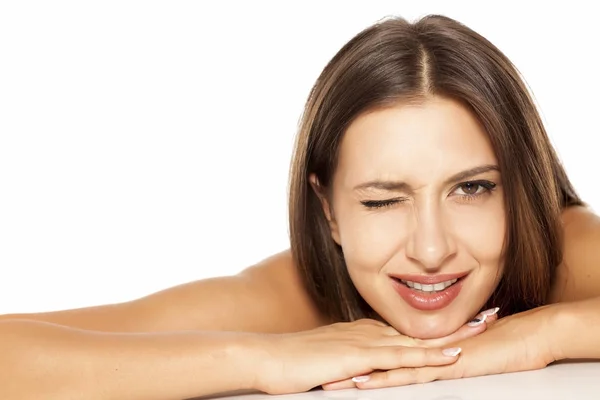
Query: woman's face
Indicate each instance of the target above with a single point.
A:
(417, 208)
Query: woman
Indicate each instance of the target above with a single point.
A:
(425, 201)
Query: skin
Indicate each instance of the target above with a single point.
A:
(436, 224)
(260, 298)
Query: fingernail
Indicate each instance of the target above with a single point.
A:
(480, 319)
(490, 312)
(452, 352)
(362, 378)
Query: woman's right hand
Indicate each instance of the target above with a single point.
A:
(297, 362)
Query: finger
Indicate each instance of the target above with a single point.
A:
(491, 319)
(398, 377)
(474, 327)
(345, 384)
(492, 314)
(395, 340)
(393, 357)
(390, 331)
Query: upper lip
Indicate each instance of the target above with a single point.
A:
(430, 279)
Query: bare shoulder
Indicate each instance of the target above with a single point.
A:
(266, 297)
(279, 277)
(578, 275)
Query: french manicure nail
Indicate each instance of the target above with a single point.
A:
(490, 312)
(452, 352)
(478, 320)
(362, 378)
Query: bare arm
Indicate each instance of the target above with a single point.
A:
(578, 276)
(156, 347)
(576, 312)
(267, 297)
(576, 330)
(42, 360)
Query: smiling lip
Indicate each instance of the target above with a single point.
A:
(430, 279)
(428, 301)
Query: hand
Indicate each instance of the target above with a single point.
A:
(512, 344)
(301, 361)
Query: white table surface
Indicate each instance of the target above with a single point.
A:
(564, 381)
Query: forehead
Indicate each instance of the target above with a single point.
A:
(427, 141)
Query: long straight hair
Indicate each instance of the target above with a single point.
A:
(394, 62)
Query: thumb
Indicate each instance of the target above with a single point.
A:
(472, 328)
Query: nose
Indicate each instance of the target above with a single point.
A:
(430, 244)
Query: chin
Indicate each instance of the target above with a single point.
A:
(426, 332)
(432, 326)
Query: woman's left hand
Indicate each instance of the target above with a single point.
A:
(515, 343)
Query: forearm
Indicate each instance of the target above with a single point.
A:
(575, 330)
(41, 360)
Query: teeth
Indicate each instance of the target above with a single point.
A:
(429, 288)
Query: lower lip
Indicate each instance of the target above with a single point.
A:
(428, 301)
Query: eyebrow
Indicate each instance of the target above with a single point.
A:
(403, 186)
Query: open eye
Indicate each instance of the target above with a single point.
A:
(472, 189)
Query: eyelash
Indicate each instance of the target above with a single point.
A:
(486, 185)
(373, 204)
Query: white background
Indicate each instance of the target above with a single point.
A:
(147, 144)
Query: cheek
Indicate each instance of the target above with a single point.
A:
(369, 241)
(481, 231)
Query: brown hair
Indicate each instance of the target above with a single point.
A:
(396, 61)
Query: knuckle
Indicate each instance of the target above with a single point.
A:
(417, 342)
(421, 375)
(358, 354)
(369, 322)
(386, 378)
(366, 329)
(389, 331)
(459, 369)
(412, 374)
(432, 355)
(334, 326)
(400, 352)
(357, 325)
